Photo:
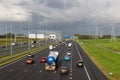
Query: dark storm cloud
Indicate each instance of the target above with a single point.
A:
(67, 16)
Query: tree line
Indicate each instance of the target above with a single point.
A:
(10, 35)
(79, 36)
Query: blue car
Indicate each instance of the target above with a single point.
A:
(67, 58)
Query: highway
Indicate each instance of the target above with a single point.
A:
(19, 70)
(17, 48)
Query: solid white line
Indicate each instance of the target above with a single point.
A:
(87, 72)
(78, 52)
(84, 65)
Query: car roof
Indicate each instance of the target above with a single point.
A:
(64, 67)
(29, 58)
(67, 55)
(79, 61)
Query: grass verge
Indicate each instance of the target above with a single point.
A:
(107, 61)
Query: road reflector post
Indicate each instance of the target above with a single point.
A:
(110, 73)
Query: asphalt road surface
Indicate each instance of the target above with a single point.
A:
(19, 70)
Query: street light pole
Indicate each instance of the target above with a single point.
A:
(6, 36)
(11, 39)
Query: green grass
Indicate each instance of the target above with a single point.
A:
(106, 60)
(106, 43)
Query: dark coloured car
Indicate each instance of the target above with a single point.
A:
(64, 70)
(29, 61)
(80, 63)
(30, 55)
(69, 48)
(43, 59)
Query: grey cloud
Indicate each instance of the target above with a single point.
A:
(68, 16)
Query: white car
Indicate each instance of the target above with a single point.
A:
(69, 53)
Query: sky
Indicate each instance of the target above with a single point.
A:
(65, 17)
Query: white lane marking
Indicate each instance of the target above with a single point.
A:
(54, 71)
(11, 70)
(87, 72)
(84, 65)
(71, 68)
(40, 71)
(26, 70)
(78, 52)
(70, 78)
(70, 74)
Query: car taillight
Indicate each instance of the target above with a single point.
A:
(43, 60)
(29, 61)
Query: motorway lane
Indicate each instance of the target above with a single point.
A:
(91, 69)
(20, 71)
(78, 72)
(19, 68)
(15, 49)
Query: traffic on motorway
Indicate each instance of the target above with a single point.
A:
(51, 60)
(60, 61)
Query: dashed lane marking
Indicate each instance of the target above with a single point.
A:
(11, 70)
(26, 70)
(54, 71)
(70, 78)
(70, 74)
(71, 69)
(40, 71)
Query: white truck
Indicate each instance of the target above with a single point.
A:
(51, 61)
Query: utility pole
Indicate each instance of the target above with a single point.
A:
(113, 35)
(101, 34)
(11, 38)
(28, 36)
(96, 33)
(21, 34)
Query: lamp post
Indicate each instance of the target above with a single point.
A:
(6, 36)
